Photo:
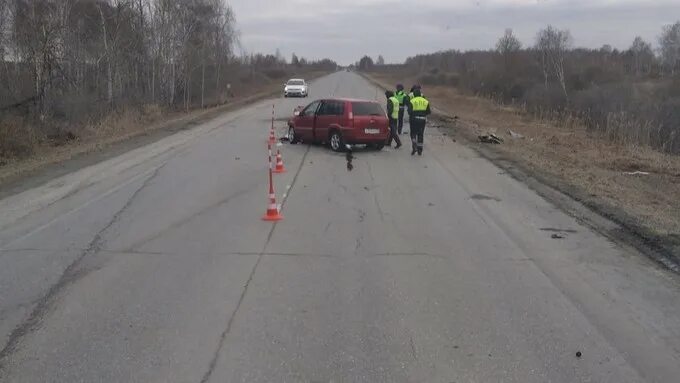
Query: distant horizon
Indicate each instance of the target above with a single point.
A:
(346, 30)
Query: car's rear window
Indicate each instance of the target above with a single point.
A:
(367, 109)
(296, 82)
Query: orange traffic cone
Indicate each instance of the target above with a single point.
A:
(279, 163)
(272, 214)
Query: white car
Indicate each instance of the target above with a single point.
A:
(295, 87)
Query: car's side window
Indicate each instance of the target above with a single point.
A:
(338, 108)
(331, 108)
(310, 109)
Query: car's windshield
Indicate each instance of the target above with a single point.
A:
(367, 109)
(296, 82)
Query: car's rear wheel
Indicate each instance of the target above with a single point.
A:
(335, 141)
(292, 138)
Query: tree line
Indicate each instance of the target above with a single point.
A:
(631, 95)
(66, 61)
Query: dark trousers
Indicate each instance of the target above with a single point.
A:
(417, 131)
(400, 127)
(394, 135)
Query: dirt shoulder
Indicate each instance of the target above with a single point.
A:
(636, 188)
(112, 138)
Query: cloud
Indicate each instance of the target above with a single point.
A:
(345, 30)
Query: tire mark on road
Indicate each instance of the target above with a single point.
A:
(71, 274)
(230, 322)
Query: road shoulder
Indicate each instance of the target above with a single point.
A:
(603, 216)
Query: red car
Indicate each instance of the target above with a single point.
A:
(340, 122)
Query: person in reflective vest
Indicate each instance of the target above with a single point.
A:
(393, 115)
(418, 110)
(401, 97)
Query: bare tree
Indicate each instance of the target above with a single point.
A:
(669, 43)
(642, 54)
(508, 45)
(77, 58)
(381, 60)
(553, 45)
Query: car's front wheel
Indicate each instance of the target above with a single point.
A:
(292, 138)
(335, 141)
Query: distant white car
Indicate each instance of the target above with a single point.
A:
(295, 87)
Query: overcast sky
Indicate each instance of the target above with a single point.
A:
(344, 30)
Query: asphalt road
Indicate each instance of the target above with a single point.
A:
(155, 267)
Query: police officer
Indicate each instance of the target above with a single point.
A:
(393, 115)
(413, 88)
(401, 97)
(418, 110)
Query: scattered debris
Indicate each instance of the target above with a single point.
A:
(482, 197)
(238, 158)
(490, 139)
(557, 236)
(366, 188)
(637, 173)
(554, 230)
(349, 158)
(430, 204)
(578, 354)
(514, 135)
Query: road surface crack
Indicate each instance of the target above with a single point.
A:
(70, 275)
(232, 317)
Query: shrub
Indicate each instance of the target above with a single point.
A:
(17, 139)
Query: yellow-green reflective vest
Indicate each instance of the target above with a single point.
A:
(395, 107)
(400, 95)
(419, 104)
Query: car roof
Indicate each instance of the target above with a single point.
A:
(349, 100)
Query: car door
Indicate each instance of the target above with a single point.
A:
(330, 112)
(305, 122)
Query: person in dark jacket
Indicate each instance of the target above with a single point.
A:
(393, 115)
(401, 96)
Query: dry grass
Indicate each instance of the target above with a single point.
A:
(17, 140)
(593, 163)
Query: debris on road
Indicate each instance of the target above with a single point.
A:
(349, 158)
(490, 139)
(238, 158)
(637, 173)
(578, 354)
(515, 135)
(557, 236)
